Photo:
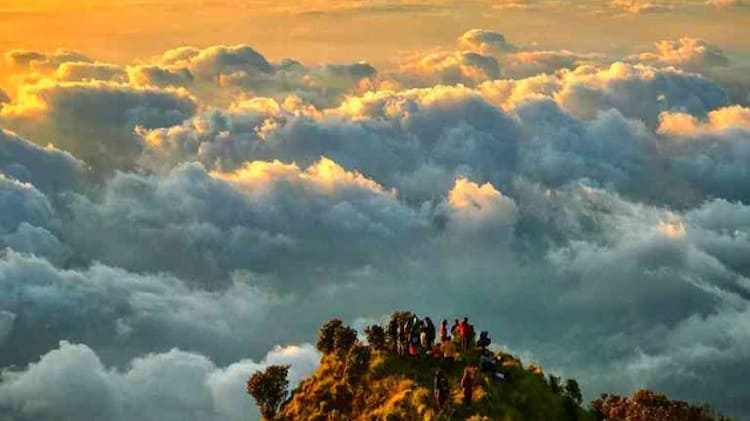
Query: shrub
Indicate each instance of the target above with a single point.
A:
(375, 336)
(573, 391)
(343, 340)
(357, 362)
(326, 338)
(554, 384)
(646, 405)
(269, 389)
(335, 337)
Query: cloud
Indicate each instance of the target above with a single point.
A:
(120, 312)
(480, 210)
(462, 67)
(48, 169)
(223, 72)
(638, 91)
(151, 75)
(483, 41)
(691, 54)
(269, 211)
(718, 120)
(725, 3)
(42, 62)
(95, 121)
(237, 202)
(640, 7)
(82, 71)
(71, 382)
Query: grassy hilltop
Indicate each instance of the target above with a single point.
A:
(357, 381)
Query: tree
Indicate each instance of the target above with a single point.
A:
(343, 340)
(357, 362)
(375, 336)
(646, 405)
(554, 384)
(327, 336)
(335, 337)
(573, 391)
(269, 389)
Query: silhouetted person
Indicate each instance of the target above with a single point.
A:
(463, 332)
(441, 388)
(443, 330)
(430, 330)
(393, 334)
(467, 385)
(484, 340)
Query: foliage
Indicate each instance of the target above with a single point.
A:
(554, 384)
(573, 391)
(269, 389)
(646, 405)
(327, 334)
(343, 340)
(357, 362)
(375, 336)
(372, 382)
(335, 337)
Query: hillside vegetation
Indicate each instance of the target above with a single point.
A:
(357, 381)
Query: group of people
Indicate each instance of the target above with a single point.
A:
(442, 387)
(416, 337)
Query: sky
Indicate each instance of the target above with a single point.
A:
(188, 190)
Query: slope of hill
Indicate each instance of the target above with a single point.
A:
(357, 381)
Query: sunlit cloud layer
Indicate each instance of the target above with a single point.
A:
(166, 221)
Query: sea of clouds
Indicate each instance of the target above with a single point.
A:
(166, 223)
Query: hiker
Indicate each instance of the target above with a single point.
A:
(442, 389)
(443, 330)
(454, 328)
(486, 362)
(414, 343)
(484, 340)
(467, 385)
(449, 349)
(463, 333)
(430, 328)
(416, 324)
(393, 334)
(471, 336)
(424, 339)
(400, 339)
(413, 350)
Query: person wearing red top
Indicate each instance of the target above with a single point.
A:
(463, 332)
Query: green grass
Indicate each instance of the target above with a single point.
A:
(398, 388)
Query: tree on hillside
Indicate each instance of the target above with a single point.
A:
(646, 405)
(327, 335)
(375, 336)
(335, 337)
(573, 391)
(269, 389)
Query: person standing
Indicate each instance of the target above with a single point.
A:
(467, 385)
(430, 329)
(443, 330)
(449, 349)
(441, 389)
(463, 332)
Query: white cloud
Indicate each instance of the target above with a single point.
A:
(71, 383)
